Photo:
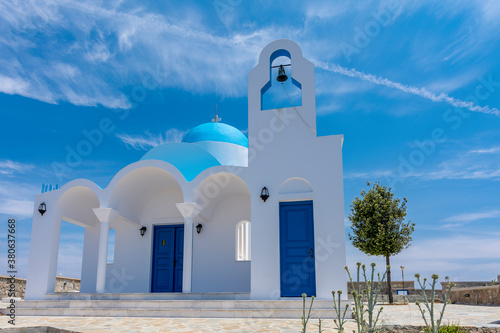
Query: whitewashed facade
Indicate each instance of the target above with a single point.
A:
(289, 244)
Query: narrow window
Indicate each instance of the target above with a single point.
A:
(111, 246)
(243, 236)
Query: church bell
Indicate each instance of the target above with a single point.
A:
(282, 77)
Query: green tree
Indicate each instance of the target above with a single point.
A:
(378, 225)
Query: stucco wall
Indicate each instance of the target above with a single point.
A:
(215, 268)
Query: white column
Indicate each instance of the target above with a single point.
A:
(102, 257)
(189, 211)
(44, 247)
(105, 215)
(188, 255)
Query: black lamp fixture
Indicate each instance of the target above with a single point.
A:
(264, 194)
(198, 227)
(143, 231)
(42, 208)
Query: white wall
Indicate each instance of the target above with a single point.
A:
(215, 268)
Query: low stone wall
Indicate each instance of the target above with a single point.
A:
(488, 295)
(466, 284)
(5, 284)
(408, 285)
(418, 329)
(63, 284)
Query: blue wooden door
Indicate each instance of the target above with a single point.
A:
(168, 250)
(298, 271)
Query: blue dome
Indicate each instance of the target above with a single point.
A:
(189, 159)
(216, 132)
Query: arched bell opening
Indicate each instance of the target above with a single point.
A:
(282, 90)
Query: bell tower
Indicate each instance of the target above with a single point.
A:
(298, 72)
(299, 171)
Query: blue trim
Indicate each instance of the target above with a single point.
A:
(296, 240)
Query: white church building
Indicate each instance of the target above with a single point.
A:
(261, 217)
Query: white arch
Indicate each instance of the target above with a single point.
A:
(132, 191)
(295, 185)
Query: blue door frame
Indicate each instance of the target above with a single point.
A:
(297, 265)
(168, 258)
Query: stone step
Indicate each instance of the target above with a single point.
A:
(149, 296)
(175, 308)
(174, 304)
(176, 313)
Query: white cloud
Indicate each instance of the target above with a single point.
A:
(492, 150)
(368, 175)
(16, 208)
(11, 86)
(113, 48)
(8, 167)
(16, 199)
(148, 141)
(471, 217)
(422, 92)
(326, 10)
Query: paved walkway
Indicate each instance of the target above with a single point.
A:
(465, 315)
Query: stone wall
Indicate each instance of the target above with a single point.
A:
(465, 284)
(5, 283)
(63, 284)
(408, 285)
(484, 295)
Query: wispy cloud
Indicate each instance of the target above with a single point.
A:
(366, 175)
(8, 167)
(148, 141)
(483, 166)
(471, 217)
(492, 150)
(422, 92)
(117, 47)
(16, 199)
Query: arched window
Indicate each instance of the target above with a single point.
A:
(111, 246)
(243, 236)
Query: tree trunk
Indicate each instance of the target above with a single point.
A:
(389, 287)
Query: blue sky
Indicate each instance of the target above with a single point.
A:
(414, 86)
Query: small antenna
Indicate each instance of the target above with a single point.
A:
(216, 118)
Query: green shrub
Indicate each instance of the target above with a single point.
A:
(450, 328)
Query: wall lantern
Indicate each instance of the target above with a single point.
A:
(198, 227)
(143, 231)
(42, 208)
(264, 194)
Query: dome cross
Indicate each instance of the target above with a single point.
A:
(216, 119)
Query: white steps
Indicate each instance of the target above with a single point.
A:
(176, 308)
